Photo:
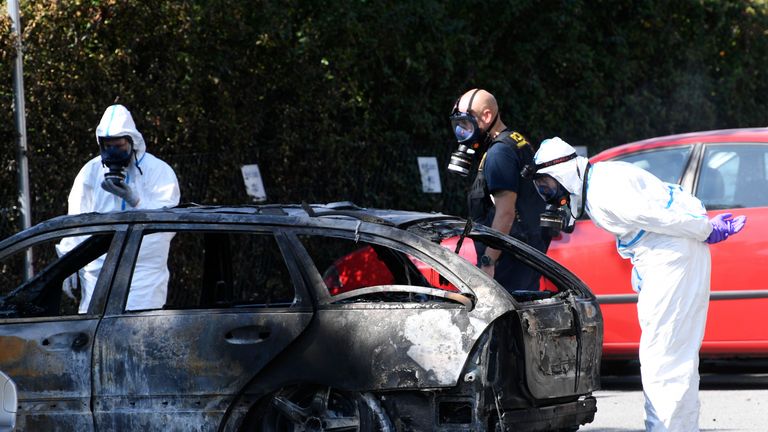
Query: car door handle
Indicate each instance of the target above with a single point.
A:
(65, 341)
(247, 335)
(81, 340)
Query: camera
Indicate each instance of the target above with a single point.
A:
(557, 219)
(115, 157)
(461, 161)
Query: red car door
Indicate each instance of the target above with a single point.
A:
(728, 171)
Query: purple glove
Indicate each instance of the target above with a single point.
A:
(737, 223)
(723, 226)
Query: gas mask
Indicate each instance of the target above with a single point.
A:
(472, 139)
(551, 191)
(115, 159)
(557, 214)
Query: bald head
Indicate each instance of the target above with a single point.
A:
(482, 101)
(484, 108)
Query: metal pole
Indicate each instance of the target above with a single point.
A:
(21, 128)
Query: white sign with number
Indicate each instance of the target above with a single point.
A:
(430, 176)
(254, 186)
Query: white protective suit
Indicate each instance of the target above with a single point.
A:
(662, 230)
(156, 185)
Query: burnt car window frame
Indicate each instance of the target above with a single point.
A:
(546, 266)
(325, 299)
(118, 300)
(540, 262)
(96, 307)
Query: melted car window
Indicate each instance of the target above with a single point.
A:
(54, 278)
(544, 289)
(227, 269)
(346, 265)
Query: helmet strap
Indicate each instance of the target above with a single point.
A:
(584, 185)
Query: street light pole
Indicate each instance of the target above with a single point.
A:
(21, 128)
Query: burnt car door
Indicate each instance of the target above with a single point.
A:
(45, 344)
(560, 325)
(380, 319)
(234, 302)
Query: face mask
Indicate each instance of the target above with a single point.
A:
(551, 191)
(557, 215)
(114, 156)
(116, 160)
(471, 138)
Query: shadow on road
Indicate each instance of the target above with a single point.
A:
(725, 374)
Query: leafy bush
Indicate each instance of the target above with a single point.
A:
(335, 100)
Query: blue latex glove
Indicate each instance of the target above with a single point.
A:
(723, 227)
(122, 190)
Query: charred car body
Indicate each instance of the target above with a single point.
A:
(293, 318)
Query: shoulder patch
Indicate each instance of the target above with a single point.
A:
(519, 139)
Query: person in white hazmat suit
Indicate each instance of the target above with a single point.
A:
(124, 177)
(666, 234)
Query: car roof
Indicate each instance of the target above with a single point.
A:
(712, 136)
(289, 214)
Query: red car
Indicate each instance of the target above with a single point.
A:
(728, 171)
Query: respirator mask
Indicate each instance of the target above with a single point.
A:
(115, 159)
(472, 139)
(557, 213)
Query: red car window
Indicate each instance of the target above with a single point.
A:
(666, 163)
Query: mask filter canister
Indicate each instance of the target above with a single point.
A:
(556, 219)
(461, 161)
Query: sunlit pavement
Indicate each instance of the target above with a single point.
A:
(721, 410)
(734, 397)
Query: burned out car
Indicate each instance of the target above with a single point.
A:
(292, 318)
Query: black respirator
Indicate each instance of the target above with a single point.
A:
(557, 219)
(557, 213)
(472, 139)
(115, 159)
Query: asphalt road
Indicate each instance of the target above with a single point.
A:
(733, 394)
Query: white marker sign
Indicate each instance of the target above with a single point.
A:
(430, 176)
(254, 186)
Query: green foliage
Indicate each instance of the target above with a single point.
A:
(335, 100)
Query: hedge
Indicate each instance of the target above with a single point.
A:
(335, 100)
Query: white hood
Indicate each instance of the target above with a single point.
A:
(570, 174)
(117, 122)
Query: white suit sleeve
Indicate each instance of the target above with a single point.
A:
(81, 196)
(80, 201)
(658, 207)
(163, 190)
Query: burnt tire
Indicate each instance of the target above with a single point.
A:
(313, 408)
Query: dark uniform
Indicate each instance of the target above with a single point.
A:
(500, 170)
